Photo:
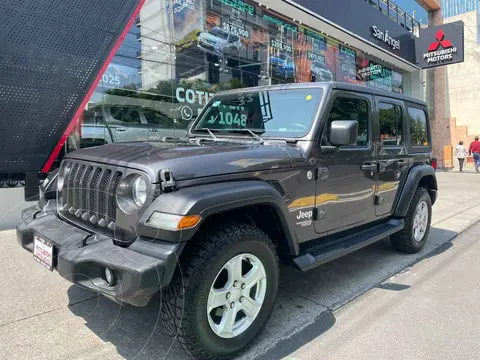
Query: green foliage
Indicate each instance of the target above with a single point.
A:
(418, 131)
(164, 90)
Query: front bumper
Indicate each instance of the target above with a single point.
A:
(81, 257)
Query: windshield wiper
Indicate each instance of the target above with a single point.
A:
(254, 135)
(210, 132)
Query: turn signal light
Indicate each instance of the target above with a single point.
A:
(189, 221)
(173, 222)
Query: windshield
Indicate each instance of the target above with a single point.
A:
(318, 64)
(219, 33)
(275, 113)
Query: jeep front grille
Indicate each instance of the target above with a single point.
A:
(89, 193)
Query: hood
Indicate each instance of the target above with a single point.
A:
(190, 161)
(211, 38)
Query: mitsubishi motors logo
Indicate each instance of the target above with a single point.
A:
(440, 42)
(435, 55)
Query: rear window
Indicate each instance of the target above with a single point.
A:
(418, 127)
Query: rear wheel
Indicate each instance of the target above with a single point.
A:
(225, 292)
(417, 224)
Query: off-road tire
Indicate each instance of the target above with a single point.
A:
(184, 302)
(404, 240)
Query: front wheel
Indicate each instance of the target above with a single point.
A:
(417, 224)
(225, 292)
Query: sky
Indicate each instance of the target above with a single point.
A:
(411, 5)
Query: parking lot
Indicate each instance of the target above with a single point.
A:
(42, 316)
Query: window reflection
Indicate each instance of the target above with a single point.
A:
(181, 52)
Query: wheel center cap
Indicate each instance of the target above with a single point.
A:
(236, 293)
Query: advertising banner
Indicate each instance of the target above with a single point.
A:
(230, 32)
(119, 76)
(376, 76)
(187, 17)
(440, 45)
(346, 66)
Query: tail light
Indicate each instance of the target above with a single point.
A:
(434, 163)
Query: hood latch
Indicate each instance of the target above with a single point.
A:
(167, 180)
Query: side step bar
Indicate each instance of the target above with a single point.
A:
(323, 253)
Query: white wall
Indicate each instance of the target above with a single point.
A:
(463, 79)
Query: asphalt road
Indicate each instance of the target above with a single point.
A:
(44, 317)
(429, 311)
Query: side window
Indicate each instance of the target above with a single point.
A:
(125, 114)
(157, 119)
(418, 127)
(391, 124)
(345, 108)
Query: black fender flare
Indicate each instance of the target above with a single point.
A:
(211, 199)
(414, 177)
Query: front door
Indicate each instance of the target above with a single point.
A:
(347, 175)
(125, 123)
(392, 155)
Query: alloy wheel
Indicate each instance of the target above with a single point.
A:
(236, 296)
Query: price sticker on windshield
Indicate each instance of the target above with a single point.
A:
(228, 118)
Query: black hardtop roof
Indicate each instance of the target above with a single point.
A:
(328, 86)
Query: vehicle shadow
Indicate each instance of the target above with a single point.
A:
(308, 298)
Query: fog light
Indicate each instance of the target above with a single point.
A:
(109, 277)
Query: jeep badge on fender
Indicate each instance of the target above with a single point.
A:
(205, 219)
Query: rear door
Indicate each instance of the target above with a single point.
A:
(392, 158)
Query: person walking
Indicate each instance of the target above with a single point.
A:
(475, 151)
(461, 154)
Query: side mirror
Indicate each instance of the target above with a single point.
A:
(344, 132)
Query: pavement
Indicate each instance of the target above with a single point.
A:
(11, 205)
(43, 316)
(428, 311)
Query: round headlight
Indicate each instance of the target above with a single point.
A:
(139, 191)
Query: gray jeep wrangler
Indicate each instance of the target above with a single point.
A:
(299, 175)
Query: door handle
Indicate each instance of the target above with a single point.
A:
(121, 129)
(369, 167)
(402, 163)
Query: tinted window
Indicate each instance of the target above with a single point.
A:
(351, 109)
(233, 38)
(219, 33)
(418, 127)
(93, 117)
(125, 114)
(267, 112)
(158, 119)
(391, 125)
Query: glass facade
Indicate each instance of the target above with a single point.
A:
(456, 7)
(402, 13)
(180, 52)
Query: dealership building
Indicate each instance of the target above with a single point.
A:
(180, 52)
